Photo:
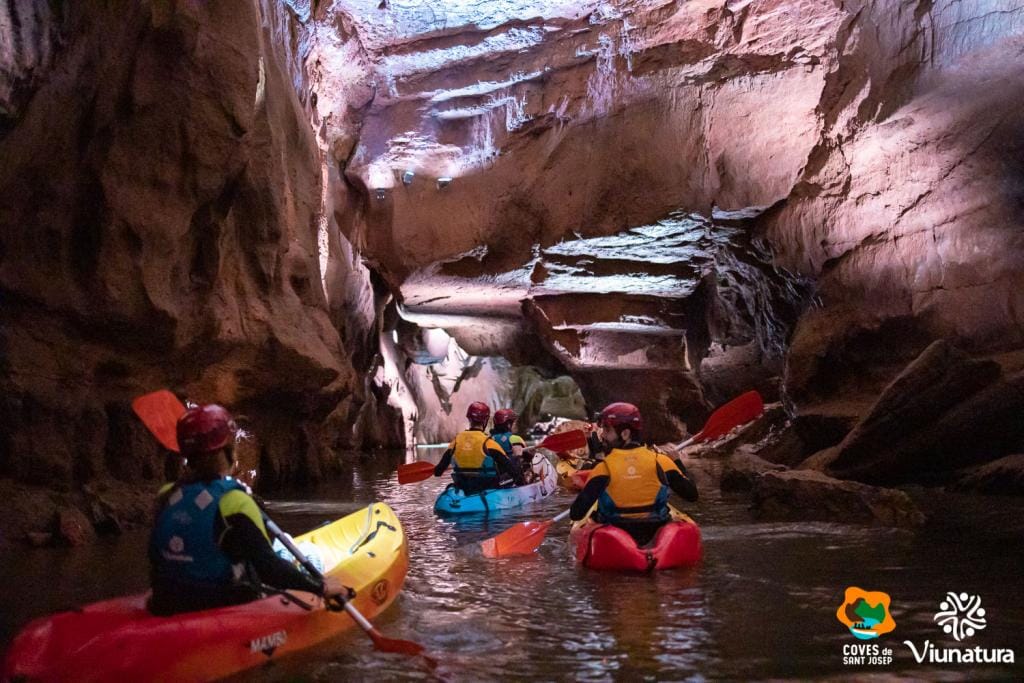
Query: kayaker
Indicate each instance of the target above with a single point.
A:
(209, 546)
(513, 444)
(631, 485)
(479, 461)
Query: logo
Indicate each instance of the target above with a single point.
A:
(379, 592)
(961, 615)
(176, 544)
(268, 643)
(866, 613)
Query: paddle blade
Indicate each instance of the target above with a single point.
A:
(160, 411)
(522, 539)
(402, 647)
(565, 441)
(740, 410)
(414, 472)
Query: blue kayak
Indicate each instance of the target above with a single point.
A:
(454, 502)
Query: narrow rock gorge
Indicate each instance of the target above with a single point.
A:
(347, 220)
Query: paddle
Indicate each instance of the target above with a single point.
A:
(566, 441)
(380, 641)
(740, 410)
(526, 537)
(522, 539)
(160, 411)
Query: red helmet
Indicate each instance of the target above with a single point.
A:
(504, 416)
(478, 412)
(204, 429)
(620, 416)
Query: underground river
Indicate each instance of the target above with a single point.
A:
(762, 604)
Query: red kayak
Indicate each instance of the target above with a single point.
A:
(119, 640)
(606, 547)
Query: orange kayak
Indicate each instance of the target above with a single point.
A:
(119, 640)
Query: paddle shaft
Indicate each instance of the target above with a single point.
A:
(560, 516)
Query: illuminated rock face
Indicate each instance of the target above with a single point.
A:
(165, 221)
(886, 139)
(224, 197)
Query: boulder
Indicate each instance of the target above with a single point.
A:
(741, 470)
(986, 426)
(1002, 476)
(804, 495)
(74, 527)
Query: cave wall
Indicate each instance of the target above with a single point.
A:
(168, 220)
(213, 197)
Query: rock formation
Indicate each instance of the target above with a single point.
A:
(301, 209)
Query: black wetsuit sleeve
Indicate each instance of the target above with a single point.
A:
(682, 485)
(588, 496)
(446, 460)
(507, 465)
(595, 446)
(244, 542)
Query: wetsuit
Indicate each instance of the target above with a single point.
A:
(209, 548)
(479, 463)
(631, 487)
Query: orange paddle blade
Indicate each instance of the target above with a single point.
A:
(740, 410)
(160, 411)
(522, 539)
(414, 472)
(566, 441)
(404, 647)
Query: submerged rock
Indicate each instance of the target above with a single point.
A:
(803, 495)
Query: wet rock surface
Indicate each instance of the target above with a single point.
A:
(808, 495)
(1002, 476)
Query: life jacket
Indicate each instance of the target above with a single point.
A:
(183, 542)
(637, 488)
(470, 457)
(506, 440)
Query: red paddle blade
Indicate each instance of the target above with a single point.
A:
(566, 441)
(740, 410)
(160, 411)
(402, 647)
(522, 539)
(580, 478)
(414, 472)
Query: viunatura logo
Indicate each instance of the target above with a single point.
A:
(866, 613)
(961, 615)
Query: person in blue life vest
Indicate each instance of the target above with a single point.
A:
(479, 462)
(209, 546)
(632, 484)
(513, 444)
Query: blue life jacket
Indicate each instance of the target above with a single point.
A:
(183, 540)
(504, 440)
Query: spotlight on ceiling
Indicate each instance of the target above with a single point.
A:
(381, 193)
(407, 177)
(443, 182)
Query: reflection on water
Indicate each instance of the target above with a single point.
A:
(761, 605)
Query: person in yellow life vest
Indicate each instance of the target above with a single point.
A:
(513, 444)
(631, 485)
(209, 545)
(479, 462)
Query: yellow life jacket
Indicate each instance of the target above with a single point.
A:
(469, 454)
(637, 487)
